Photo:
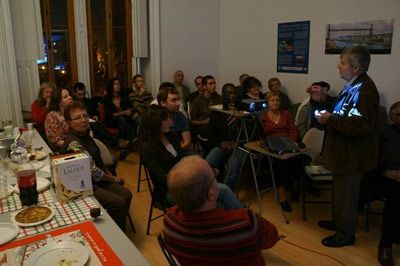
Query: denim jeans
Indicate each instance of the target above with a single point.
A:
(124, 126)
(217, 158)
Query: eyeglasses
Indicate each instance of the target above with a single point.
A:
(79, 118)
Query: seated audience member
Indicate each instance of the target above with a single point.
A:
(198, 232)
(240, 90)
(164, 85)
(140, 98)
(390, 166)
(279, 123)
(168, 97)
(201, 105)
(225, 130)
(108, 189)
(319, 100)
(99, 131)
(200, 113)
(119, 114)
(184, 92)
(40, 107)
(161, 150)
(55, 126)
(274, 84)
(199, 86)
(253, 89)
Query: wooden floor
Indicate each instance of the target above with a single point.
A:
(302, 245)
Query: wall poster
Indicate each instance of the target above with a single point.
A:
(375, 35)
(293, 47)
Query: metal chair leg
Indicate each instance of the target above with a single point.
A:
(150, 214)
(140, 173)
(131, 222)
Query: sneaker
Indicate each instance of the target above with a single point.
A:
(385, 256)
(122, 143)
(123, 154)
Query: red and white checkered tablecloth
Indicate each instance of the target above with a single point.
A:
(65, 214)
(13, 203)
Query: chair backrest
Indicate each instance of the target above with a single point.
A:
(170, 258)
(104, 152)
(313, 139)
(102, 113)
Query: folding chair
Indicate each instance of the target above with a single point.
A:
(140, 173)
(170, 258)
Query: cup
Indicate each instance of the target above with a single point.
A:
(2, 135)
(30, 126)
(9, 131)
(15, 131)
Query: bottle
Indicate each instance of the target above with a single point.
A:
(26, 177)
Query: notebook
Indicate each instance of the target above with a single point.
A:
(278, 145)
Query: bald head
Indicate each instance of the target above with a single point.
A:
(189, 183)
(178, 76)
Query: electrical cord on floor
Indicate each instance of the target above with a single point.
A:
(316, 252)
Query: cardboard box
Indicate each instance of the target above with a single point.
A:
(71, 176)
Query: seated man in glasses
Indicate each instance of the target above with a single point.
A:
(108, 188)
(197, 232)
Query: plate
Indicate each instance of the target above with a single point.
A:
(41, 185)
(54, 253)
(38, 155)
(37, 165)
(7, 232)
(35, 223)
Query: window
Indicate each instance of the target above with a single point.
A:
(59, 65)
(110, 42)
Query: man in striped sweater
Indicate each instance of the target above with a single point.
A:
(196, 232)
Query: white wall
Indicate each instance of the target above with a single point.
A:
(190, 36)
(249, 33)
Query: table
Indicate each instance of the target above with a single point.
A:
(109, 230)
(241, 115)
(256, 147)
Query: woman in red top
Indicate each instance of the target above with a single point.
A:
(55, 125)
(279, 123)
(40, 107)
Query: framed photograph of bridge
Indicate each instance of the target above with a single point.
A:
(375, 35)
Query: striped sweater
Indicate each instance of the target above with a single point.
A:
(218, 237)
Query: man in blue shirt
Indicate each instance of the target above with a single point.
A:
(168, 96)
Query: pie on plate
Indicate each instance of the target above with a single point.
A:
(33, 215)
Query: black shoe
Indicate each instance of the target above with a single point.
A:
(328, 225)
(286, 206)
(337, 242)
(385, 256)
(295, 195)
(123, 154)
